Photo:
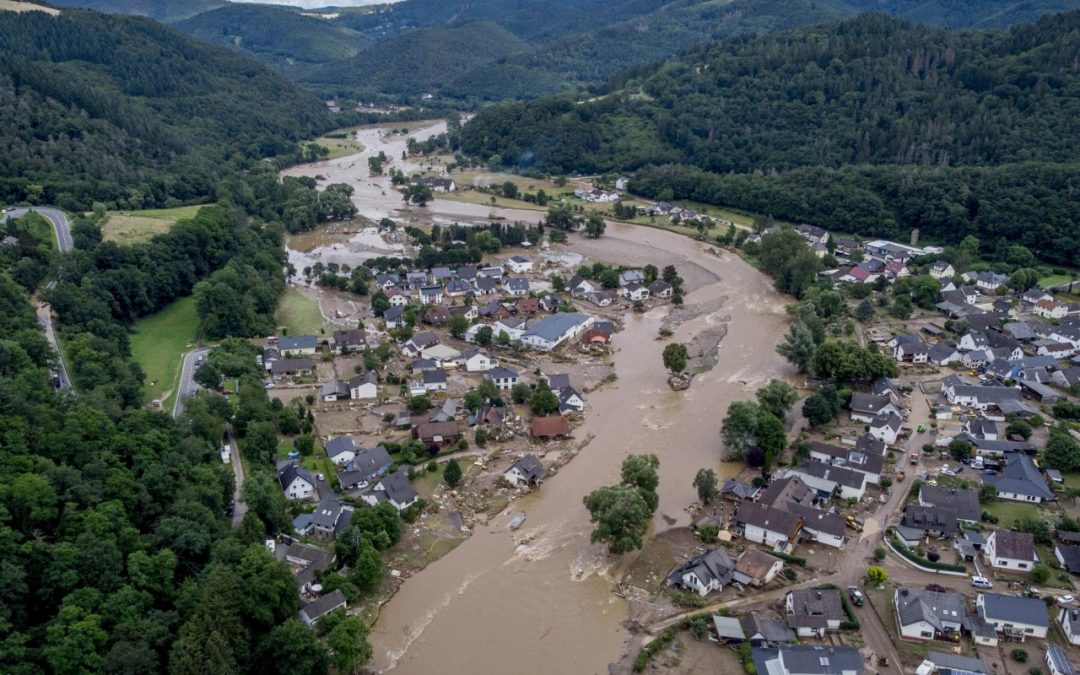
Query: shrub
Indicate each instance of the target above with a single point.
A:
(793, 559)
(789, 574)
(1019, 655)
(709, 533)
(933, 556)
(1040, 574)
(879, 553)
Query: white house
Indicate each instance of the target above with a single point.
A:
(810, 613)
(1006, 549)
(1069, 620)
(504, 378)
(296, 482)
(364, 386)
(395, 489)
(634, 292)
(514, 327)
(341, 450)
(478, 361)
(824, 527)
(519, 264)
(924, 615)
(1048, 309)
(865, 407)
(298, 345)
(702, 574)
(942, 270)
(756, 567)
(551, 331)
(886, 428)
(766, 525)
(579, 287)
(1016, 617)
(1057, 661)
(434, 380)
(526, 471)
(827, 479)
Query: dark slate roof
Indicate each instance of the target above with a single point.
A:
(558, 381)
(1021, 477)
(291, 471)
(739, 489)
(1015, 545)
(964, 503)
(323, 605)
(917, 604)
(1071, 556)
(1074, 622)
(818, 520)
(870, 445)
(770, 630)
(868, 403)
(437, 376)
(956, 663)
(370, 462)
(930, 518)
(783, 490)
(397, 487)
(836, 474)
(339, 445)
(1016, 609)
(815, 604)
(714, 564)
(1059, 658)
(768, 518)
(811, 659)
(530, 467)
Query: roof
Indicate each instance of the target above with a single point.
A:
(288, 343)
(917, 604)
(809, 603)
(818, 520)
(323, 605)
(549, 426)
(558, 380)
(340, 445)
(1014, 609)
(1056, 655)
(1074, 621)
(890, 421)
(869, 403)
(930, 518)
(770, 630)
(739, 489)
(1015, 545)
(436, 376)
(755, 563)
(291, 365)
(728, 627)
(870, 445)
(364, 378)
(964, 503)
(1020, 476)
(956, 663)
(768, 518)
(501, 373)
(828, 472)
(530, 467)
(552, 328)
(715, 564)
(1071, 556)
(370, 462)
(291, 472)
(809, 660)
(398, 488)
(350, 337)
(783, 490)
(446, 429)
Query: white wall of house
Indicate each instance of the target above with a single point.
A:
(366, 390)
(762, 536)
(1065, 623)
(299, 489)
(824, 537)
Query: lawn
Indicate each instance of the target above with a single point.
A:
(1054, 280)
(1072, 480)
(298, 314)
(132, 227)
(159, 344)
(341, 147)
(1008, 512)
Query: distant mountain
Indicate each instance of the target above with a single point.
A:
(101, 106)
(418, 61)
(275, 34)
(161, 10)
(967, 13)
(872, 125)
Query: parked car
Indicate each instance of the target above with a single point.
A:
(856, 596)
(981, 582)
(1066, 600)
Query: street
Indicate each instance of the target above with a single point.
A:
(186, 383)
(239, 506)
(62, 230)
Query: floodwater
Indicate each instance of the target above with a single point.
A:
(539, 600)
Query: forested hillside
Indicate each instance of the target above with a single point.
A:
(161, 10)
(116, 108)
(276, 35)
(867, 91)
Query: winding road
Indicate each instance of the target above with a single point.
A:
(62, 229)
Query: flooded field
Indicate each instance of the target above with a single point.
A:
(539, 600)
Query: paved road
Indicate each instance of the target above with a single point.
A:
(239, 506)
(62, 229)
(186, 383)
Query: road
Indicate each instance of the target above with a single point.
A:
(239, 506)
(62, 230)
(186, 383)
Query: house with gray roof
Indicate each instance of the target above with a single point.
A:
(365, 467)
(1069, 620)
(1058, 661)
(823, 527)
(1006, 549)
(551, 331)
(828, 479)
(301, 345)
(516, 286)
(395, 489)
(321, 606)
(737, 490)
(811, 612)
(931, 521)
(864, 407)
(1020, 480)
(341, 450)
(944, 663)
(767, 525)
(808, 660)
(783, 490)
(296, 481)
(963, 503)
(927, 615)
(705, 573)
(761, 632)
(526, 471)
(1016, 617)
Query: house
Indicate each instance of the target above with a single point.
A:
(1057, 661)
(349, 341)
(443, 354)
(763, 632)
(980, 427)
(434, 380)
(964, 504)
(991, 281)
(756, 567)
(871, 446)
(1016, 617)
(365, 467)
(514, 327)
(416, 279)
(865, 407)
(737, 490)
(442, 184)
(822, 527)
(364, 386)
(431, 295)
(768, 525)
(810, 612)
(296, 481)
(627, 277)
(1020, 480)
(418, 343)
(437, 315)
(1050, 309)
(321, 606)
(441, 274)
(808, 660)
(334, 391)
(601, 298)
(868, 464)
(926, 615)
(269, 355)
(942, 270)
(551, 331)
(394, 489)
(291, 366)
(1068, 557)
(504, 378)
(550, 426)
(485, 285)
(1006, 549)
(622, 183)
(930, 521)
(519, 264)
(446, 412)
(812, 233)
(388, 281)
(516, 286)
(728, 629)
(635, 292)
(1069, 620)
(787, 490)
(913, 352)
(298, 345)
(828, 479)
(596, 336)
(525, 472)
(478, 361)
(579, 287)
(710, 571)
(423, 365)
(330, 518)
(394, 317)
(495, 273)
(436, 434)
(661, 289)
(341, 450)
(570, 400)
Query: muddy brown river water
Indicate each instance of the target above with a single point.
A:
(539, 600)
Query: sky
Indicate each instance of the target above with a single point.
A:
(315, 4)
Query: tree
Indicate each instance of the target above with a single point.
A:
(877, 574)
(367, 570)
(520, 393)
(208, 375)
(817, 410)
(1040, 574)
(988, 493)
(259, 443)
(639, 472)
(452, 473)
(458, 325)
(798, 346)
(292, 647)
(594, 225)
(846, 361)
(739, 428)
(621, 517)
(706, 485)
(901, 307)
(865, 311)
(484, 336)
(1062, 452)
(419, 404)
(675, 358)
(349, 647)
(418, 193)
(960, 449)
(769, 434)
(543, 401)
(777, 397)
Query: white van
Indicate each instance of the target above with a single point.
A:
(981, 582)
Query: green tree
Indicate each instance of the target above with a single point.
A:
(877, 574)
(367, 570)
(452, 473)
(621, 517)
(705, 483)
(777, 397)
(865, 311)
(769, 433)
(484, 337)
(798, 346)
(1062, 452)
(259, 443)
(348, 644)
(988, 492)
(845, 361)
(901, 307)
(543, 401)
(458, 325)
(419, 404)
(817, 410)
(960, 449)
(675, 358)
(739, 428)
(639, 472)
(291, 648)
(594, 225)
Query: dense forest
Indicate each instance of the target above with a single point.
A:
(159, 126)
(900, 125)
(161, 10)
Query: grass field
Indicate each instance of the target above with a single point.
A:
(159, 343)
(1054, 280)
(1008, 511)
(132, 227)
(298, 314)
(340, 147)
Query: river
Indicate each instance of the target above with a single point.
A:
(546, 605)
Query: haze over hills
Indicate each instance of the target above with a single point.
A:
(78, 124)
(160, 10)
(794, 123)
